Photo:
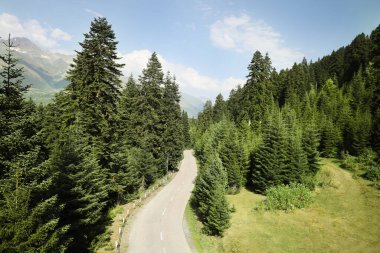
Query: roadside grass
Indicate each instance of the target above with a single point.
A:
(344, 217)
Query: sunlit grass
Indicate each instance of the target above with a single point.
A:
(344, 217)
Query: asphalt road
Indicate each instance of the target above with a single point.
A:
(158, 225)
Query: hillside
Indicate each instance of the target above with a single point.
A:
(343, 218)
(46, 72)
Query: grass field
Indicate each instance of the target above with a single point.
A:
(344, 217)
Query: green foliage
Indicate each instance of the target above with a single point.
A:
(186, 130)
(218, 216)
(11, 88)
(367, 164)
(94, 88)
(209, 198)
(372, 173)
(287, 197)
(30, 212)
(270, 158)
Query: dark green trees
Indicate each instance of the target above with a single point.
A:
(151, 119)
(63, 166)
(257, 91)
(29, 208)
(81, 132)
(209, 198)
(173, 135)
(186, 130)
(94, 87)
(270, 159)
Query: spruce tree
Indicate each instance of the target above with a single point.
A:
(81, 132)
(94, 87)
(150, 107)
(172, 120)
(269, 160)
(11, 89)
(218, 217)
(219, 110)
(186, 130)
(207, 182)
(229, 154)
(257, 90)
(310, 143)
(130, 116)
(29, 209)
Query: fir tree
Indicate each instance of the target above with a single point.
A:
(310, 143)
(218, 217)
(219, 110)
(94, 87)
(150, 107)
(172, 120)
(229, 154)
(258, 89)
(269, 161)
(186, 130)
(11, 89)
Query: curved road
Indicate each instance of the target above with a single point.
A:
(158, 225)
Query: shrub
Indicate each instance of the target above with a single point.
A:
(367, 158)
(349, 162)
(372, 173)
(287, 197)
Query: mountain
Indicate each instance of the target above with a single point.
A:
(46, 72)
(191, 104)
(43, 69)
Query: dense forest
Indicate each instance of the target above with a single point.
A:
(272, 130)
(99, 143)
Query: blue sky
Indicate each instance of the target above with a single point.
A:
(206, 44)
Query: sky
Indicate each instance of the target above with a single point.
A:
(207, 45)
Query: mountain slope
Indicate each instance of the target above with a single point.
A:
(46, 72)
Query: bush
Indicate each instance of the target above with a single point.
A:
(287, 197)
(372, 173)
(349, 162)
(368, 158)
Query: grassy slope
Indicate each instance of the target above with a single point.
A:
(345, 217)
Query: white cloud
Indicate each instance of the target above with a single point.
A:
(32, 29)
(189, 79)
(94, 13)
(241, 34)
(60, 35)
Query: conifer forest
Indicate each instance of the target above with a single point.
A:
(102, 141)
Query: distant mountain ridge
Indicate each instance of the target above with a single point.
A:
(46, 72)
(44, 69)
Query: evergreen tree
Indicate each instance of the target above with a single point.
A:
(11, 88)
(269, 161)
(229, 154)
(310, 143)
(130, 117)
(205, 118)
(186, 130)
(81, 133)
(330, 138)
(219, 110)
(209, 198)
(150, 107)
(29, 209)
(257, 91)
(172, 120)
(94, 87)
(218, 217)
